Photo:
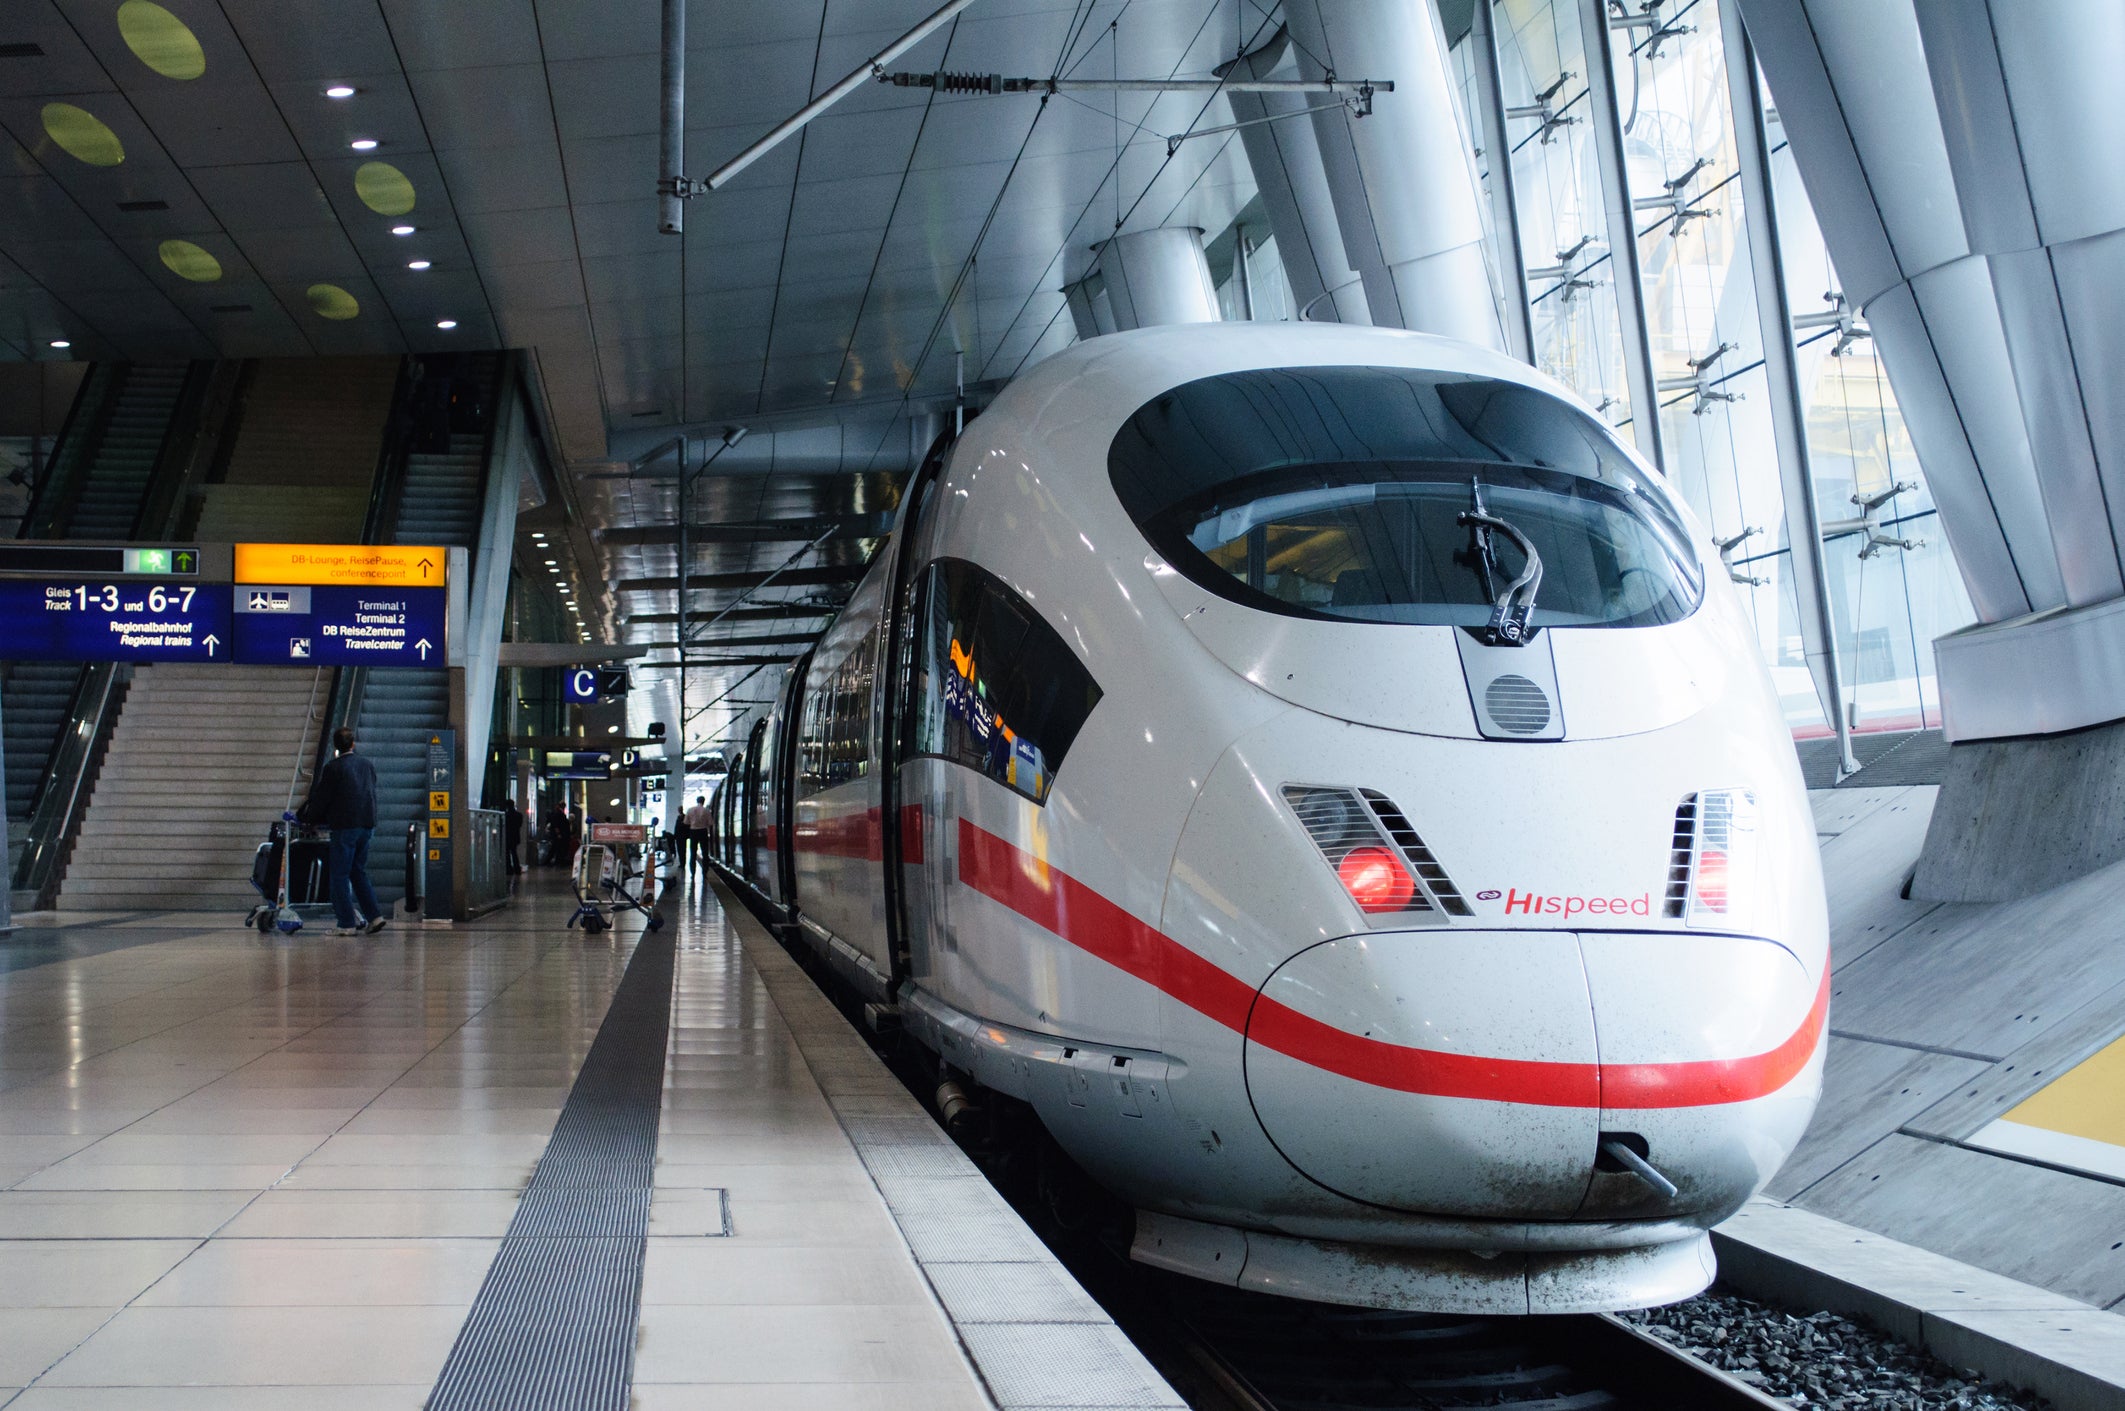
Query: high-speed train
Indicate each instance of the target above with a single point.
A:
(1331, 780)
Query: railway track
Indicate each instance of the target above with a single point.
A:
(1256, 1353)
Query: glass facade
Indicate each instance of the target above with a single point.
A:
(1692, 245)
(1691, 240)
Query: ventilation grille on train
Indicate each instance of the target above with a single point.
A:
(1342, 820)
(1679, 854)
(1517, 705)
(1429, 873)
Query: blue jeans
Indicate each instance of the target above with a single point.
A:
(350, 877)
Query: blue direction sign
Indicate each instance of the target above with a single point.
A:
(134, 620)
(336, 625)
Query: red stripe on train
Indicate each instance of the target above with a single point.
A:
(1081, 916)
(859, 836)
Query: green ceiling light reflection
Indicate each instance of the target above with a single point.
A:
(189, 261)
(331, 301)
(383, 188)
(160, 40)
(82, 135)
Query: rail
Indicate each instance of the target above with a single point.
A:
(74, 760)
(486, 842)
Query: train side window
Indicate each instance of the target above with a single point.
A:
(996, 688)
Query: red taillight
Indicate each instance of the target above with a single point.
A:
(1375, 880)
(1710, 882)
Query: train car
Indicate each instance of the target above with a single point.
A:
(1331, 780)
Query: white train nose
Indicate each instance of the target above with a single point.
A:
(1463, 1073)
(1448, 1072)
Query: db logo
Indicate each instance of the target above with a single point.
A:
(1491, 895)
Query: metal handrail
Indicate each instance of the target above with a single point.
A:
(487, 877)
(99, 389)
(52, 818)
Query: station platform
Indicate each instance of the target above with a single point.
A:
(243, 1172)
(1974, 1098)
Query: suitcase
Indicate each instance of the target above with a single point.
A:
(310, 872)
(309, 877)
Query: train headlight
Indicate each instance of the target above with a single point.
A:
(1376, 855)
(1723, 858)
(1376, 880)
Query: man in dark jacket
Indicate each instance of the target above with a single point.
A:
(344, 800)
(515, 825)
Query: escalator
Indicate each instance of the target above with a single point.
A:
(449, 431)
(100, 482)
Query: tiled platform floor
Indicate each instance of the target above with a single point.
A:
(242, 1172)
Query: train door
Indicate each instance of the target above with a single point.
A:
(915, 804)
(782, 769)
(759, 830)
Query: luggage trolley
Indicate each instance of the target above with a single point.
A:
(290, 868)
(613, 855)
(289, 871)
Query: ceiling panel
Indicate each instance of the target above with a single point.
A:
(618, 277)
(463, 36)
(302, 257)
(66, 66)
(610, 168)
(273, 196)
(752, 265)
(553, 284)
(606, 97)
(494, 106)
(319, 40)
(824, 207)
(525, 177)
(235, 123)
(621, 228)
(520, 237)
(573, 29)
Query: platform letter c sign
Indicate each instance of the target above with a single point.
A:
(582, 685)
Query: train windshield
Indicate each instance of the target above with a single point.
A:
(1343, 492)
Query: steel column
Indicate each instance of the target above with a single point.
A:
(1788, 409)
(1504, 200)
(671, 147)
(1629, 279)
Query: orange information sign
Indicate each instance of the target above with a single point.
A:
(356, 565)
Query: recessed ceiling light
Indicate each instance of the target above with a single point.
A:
(537, 535)
(416, 264)
(551, 562)
(403, 229)
(446, 324)
(61, 343)
(363, 144)
(340, 90)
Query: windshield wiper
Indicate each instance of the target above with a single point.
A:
(1516, 600)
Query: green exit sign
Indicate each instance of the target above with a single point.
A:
(163, 562)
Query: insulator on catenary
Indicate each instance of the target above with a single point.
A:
(954, 82)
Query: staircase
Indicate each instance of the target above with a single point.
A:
(401, 708)
(200, 760)
(306, 454)
(198, 769)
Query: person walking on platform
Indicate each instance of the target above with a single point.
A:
(514, 825)
(686, 839)
(697, 830)
(344, 800)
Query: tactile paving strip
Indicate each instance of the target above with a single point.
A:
(553, 1326)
